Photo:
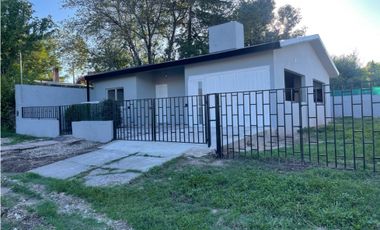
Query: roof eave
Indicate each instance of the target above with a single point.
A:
(187, 61)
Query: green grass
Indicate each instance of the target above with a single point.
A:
(15, 138)
(338, 147)
(237, 195)
(49, 211)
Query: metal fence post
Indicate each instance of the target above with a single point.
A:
(217, 127)
(153, 107)
(60, 120)
(114, 118)
(207, 120)
(300, 125)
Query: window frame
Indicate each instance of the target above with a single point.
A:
(115, 93)
(316, 98)
(296, 94)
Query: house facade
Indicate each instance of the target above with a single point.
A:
(233, 94)
(291, 63)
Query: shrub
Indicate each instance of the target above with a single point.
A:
(105, 110)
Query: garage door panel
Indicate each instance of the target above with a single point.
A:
(248, 79)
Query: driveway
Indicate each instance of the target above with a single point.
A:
(119, 161)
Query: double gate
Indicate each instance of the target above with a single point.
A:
(175, 119)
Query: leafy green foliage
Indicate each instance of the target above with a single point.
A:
(132, 33)
(22, 33)
(105, 110)
(239, 194)
(351, 74)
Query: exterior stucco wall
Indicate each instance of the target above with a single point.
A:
(42, 95)
(129, 83)
(299, 58)
(38, 127)
(101, 131)
(230, 64)
(142, 85)
(175, 80)
(302, 59)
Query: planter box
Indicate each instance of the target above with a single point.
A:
(101, 131)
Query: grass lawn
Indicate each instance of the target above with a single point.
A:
(235, 194)
(349, 143)
(14, 137)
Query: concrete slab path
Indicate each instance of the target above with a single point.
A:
(119, 161)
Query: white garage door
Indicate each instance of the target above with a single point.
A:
(247, 79)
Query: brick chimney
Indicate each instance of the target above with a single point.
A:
(55, 74)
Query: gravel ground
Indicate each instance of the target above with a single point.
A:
(29, 155)
(19, 213)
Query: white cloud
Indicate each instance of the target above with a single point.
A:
(343, 27)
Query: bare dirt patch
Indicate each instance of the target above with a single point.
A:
(19, 209)
(26, 156)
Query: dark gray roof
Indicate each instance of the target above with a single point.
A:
(186, 61)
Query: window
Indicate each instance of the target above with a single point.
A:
(318, 91)
(293, 83)
(115, 94)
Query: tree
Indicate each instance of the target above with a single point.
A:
(74, 53)
(286, 21)
(262, 24)
(256, 17)
(199, 15)
(350, 72)
(22, 33)
(372, 71)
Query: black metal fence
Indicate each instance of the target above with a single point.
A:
(173, 119)
(335, 128)
(49, 112)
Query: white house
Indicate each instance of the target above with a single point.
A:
(229, 67)
(258, 88)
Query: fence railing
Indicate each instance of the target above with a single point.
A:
(339, 129)
(312, 125)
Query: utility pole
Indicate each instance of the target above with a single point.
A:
(73, 74)
(21, 77)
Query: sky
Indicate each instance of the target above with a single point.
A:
(345, 26)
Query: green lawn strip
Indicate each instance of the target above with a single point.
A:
(15, 138)
(238, 195)
(346, 149)
(49, 211)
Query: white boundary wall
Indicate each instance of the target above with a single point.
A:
(360, 102)
(38, 127)
(101, 131)
(44, 95)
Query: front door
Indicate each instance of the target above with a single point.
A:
(161, 103)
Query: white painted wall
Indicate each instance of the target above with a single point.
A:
(42, 95)
(302, 59)
(231, 64)
(342, 106)
(38, 127)
(101, 131)
(226, 36)
(129, 83)
(142, 85)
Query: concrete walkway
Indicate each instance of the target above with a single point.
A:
(119, 162)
